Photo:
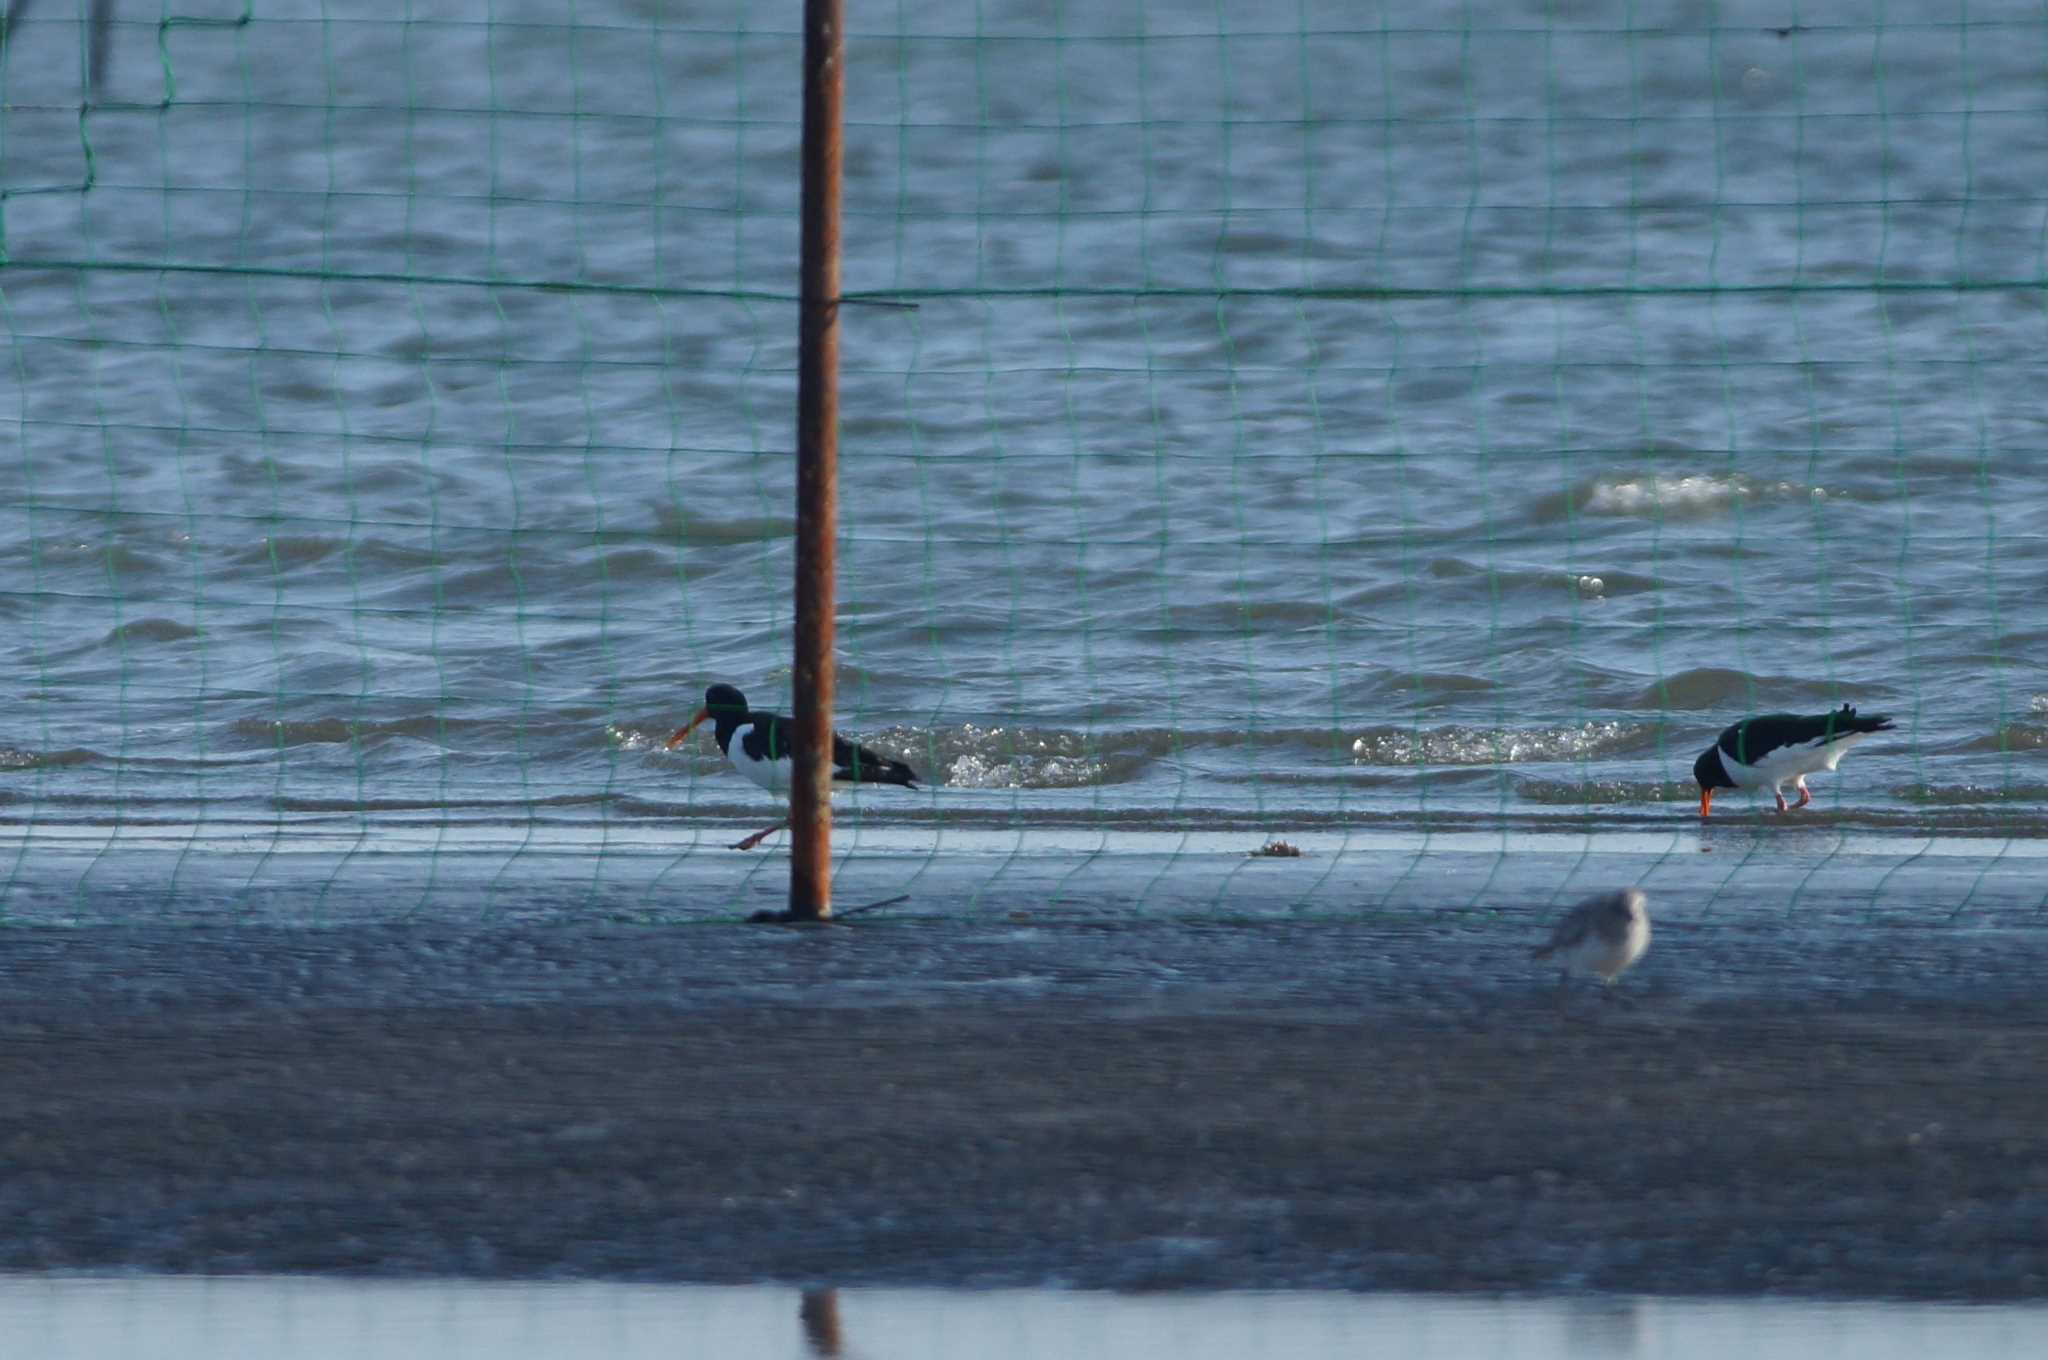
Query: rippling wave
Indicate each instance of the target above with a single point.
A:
(1735, 693)
(1455, 745)
(1962, 794)
(1565, 792)
(2018, 736)
(975, 757)
(357, 731)
(13, 758)
(1677, 495)
(397, 551)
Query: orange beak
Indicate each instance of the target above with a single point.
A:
(699, 716)
(1706, 795)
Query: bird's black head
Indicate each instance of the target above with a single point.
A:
(1708, 771)
(721, 700)
(724, 707)
(1710, 774)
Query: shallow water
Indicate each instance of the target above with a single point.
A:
(232, 1317)
(314, 539)
(422, 866)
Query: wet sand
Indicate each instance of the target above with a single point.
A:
(1356, 1105)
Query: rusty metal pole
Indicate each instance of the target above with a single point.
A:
(817, 463)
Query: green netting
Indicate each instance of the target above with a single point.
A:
(1407, 433)
(1314, 478)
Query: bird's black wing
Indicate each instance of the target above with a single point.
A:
(768, 736)
(1753, 738)
(853, 763)
(773, 737)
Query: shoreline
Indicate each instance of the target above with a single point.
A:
(953, 1104)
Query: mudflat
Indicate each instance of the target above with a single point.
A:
(1358, 1105)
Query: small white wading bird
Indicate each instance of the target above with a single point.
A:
(1602, 935)
(758, 745)
(1779, 749)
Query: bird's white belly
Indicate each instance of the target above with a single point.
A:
(1609, 958)
(772, 775)
(1788, 763)
(1840, 747)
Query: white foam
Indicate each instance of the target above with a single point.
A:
(632, 739)
(975, 771)
(1487, 746)
(1666, 494)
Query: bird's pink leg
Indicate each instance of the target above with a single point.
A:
(759, 836)
(1805, 795)
(1782, 805)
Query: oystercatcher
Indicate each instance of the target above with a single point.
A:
(758, 745)
(1603, 935)
(1778, 749)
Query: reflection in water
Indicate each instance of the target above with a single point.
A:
(260, 1318)
(819, 1313)
(1601, 1325)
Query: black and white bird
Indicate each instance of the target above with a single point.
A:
(1602, 935)
(1777, 749)
(759, 745)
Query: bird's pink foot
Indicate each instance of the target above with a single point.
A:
(1783, 806)
(1805, 797)
(759, 836)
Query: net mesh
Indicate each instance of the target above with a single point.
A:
(1315, 472)
(1387, 432)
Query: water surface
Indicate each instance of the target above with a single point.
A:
(400, 414)
(227, 1318)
